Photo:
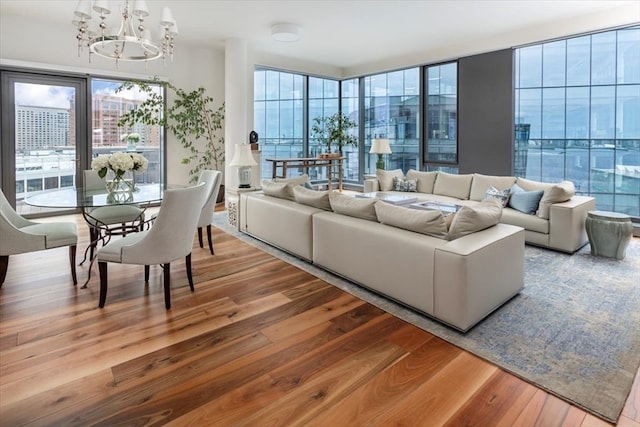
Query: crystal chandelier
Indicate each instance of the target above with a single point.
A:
(131, 41)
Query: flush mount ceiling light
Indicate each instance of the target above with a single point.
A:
(127, 40)
(285, 32)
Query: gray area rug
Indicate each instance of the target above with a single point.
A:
(574, 330)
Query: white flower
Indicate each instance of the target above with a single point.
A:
(119, 163)
(131, 137)
(139, 162)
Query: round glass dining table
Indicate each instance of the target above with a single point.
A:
(142, 195)
(78, 197)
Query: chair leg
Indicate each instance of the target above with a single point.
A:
(209, 237)
(146, 274)
(200, 236)
(72, 261)
(167, 287)
(103, 283)
(189, 275)
(4, 265)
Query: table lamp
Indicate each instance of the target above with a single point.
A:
(243, 158)
(380, 146)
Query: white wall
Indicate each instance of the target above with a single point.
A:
(23, 42)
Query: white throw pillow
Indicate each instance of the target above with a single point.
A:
(317, 199)
(470, 219)
(385, 178)
(353, 206)
(431, 223)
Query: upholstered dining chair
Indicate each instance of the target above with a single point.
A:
(114, 217)
(19, 235)
(170, 238)
(206, 215)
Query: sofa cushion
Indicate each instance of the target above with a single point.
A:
(404, 184)
(385, 178)
(481, 183)
(297, 180)
(524, 201)
(448, 184)
(281, 190)
(553, 193)
(431, 223)
(500, 195)
(528, 222)
(353, 206)
(425, 180)
(317, 199)
(470, 219)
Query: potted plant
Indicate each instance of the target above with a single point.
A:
(191, 117)
(334, 130)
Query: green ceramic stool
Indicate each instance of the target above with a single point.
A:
(609, 233)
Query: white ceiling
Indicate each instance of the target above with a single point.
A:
(348, 33)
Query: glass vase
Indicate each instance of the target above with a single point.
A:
(120, 183)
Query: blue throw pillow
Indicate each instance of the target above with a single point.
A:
(524, 201)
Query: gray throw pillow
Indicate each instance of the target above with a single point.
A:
(404, 184)
(500, 195)
(524, 201)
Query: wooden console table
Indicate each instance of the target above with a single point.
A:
(306, 163)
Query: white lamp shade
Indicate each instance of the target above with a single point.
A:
(140, 8)
(242, 156)
(167, 17)
(83, 9)
(102, 7)
(380, 146)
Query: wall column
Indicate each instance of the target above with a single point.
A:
(235, 98)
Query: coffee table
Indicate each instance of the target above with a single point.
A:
(394, 199)
(430, 205)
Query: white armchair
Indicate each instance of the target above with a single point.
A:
(206, 215)
(118, 219)
(19, 235)
(170, 238)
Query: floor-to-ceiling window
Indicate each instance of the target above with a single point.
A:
(284, 105)
(350, 104)
(577, 115)
(392, 111)
(441, 139)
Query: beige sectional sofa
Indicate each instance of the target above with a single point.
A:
(558, 222)
(458, 282)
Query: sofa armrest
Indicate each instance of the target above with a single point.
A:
(567, 223)
(477, 273)
(371, 185)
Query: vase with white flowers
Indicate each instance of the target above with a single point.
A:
(118, 169)
(131, 139)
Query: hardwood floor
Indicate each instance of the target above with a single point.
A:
(259, 343)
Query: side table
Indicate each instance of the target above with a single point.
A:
(233, 204)
(609, 233)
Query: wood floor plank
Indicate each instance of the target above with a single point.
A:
(259, 342)
(387, 390)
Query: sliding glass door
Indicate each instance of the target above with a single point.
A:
(44, 130)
